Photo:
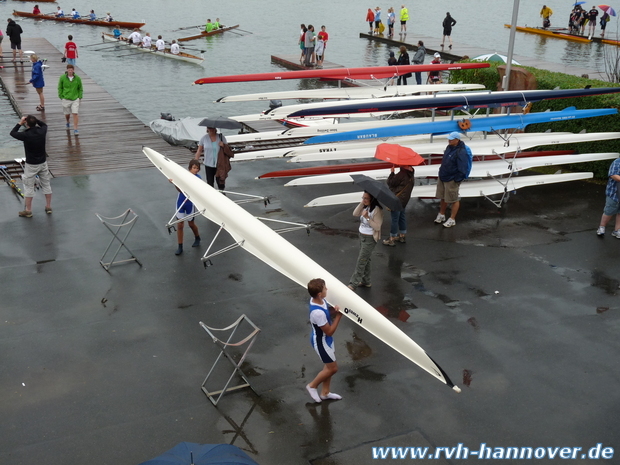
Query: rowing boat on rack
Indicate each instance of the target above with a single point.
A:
(207, 34)
(68, 19)
(182, 56)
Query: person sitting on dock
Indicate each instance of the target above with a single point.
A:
(174, 48)
(209, 26)
(75, 14)
(92, 16)
(117, 33)
(592, 15)
(59, 13)
(35, 10)
(146, 41)
(160, 45)
(545, 14)
(108, 17)
(135, 37)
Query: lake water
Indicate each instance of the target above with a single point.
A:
(148, 85)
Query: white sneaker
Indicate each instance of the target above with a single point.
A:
(616, 233)
(440, 218)
(600, 231)
(449, 223)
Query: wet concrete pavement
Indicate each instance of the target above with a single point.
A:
(518, 306)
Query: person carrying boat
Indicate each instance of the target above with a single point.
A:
(214, 148)
(160, 45)
(92, 16)
(147, 41)
(455, 167)
(370, 214)
(592, 15)
(418, 59)
(403, 60)
(447, 24)
(612, 201)
(185, 208)
(209, 26)
(135, 37)
(174, 48)
(324, 319)
(59, 13)
(545, 14)
(401, 185)
(36, 10)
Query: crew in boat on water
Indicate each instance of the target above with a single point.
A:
(135, 37)
(146, 41)
(174, 48)
(160, 45)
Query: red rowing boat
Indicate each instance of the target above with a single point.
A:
(378, 72)
(207, 34)
(67, 19)
(379, 165)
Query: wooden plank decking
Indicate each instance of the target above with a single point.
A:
(111, 137)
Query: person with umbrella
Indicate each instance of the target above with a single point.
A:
(402, 185)
(371, 218)
(455, 167)
(216, 151)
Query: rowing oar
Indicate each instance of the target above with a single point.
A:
(243, 30)
(189, 27)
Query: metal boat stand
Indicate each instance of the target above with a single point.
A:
(128, 221)
(224, 346)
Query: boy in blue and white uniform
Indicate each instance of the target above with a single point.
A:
(186, 208)
(323, 327)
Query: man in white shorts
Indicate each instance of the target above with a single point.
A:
(70, 93)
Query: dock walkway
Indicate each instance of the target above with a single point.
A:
(110, 138)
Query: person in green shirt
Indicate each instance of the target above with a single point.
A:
(70, 93)
(216, 24)
(209, 27)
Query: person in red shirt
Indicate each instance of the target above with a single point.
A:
(71, 51)
(35, 10)
(324, 36)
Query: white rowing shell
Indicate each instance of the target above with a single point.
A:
(267, 245)
(467, 188)
(479, 169)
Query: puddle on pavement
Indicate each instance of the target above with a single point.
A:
(609, 285)
(600, 310)
(398, 312)
(249, 370)
(235, 276)
(320, 227)
(363, 373)
(358, 348)
(467, 376)
(473, 323)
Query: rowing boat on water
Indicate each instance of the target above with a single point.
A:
(207, 34)
(66, 19)
(182, 56)
(549, 33)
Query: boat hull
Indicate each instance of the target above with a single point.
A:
(207, 34)
(123, 24)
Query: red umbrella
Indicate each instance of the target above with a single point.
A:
(398, 155)
(607, 9)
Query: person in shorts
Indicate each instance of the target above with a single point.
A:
(36, 162)
(612, 201)
(14, 33)
(324, 320)
(186, 208)
(70, 92)
(455, 167)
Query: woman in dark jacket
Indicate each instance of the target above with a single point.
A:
(37, 80)
(401, 184)
(403, 59)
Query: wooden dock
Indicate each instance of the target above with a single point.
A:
(110, 137)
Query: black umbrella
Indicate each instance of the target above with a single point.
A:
(221, 122)
(378, 190)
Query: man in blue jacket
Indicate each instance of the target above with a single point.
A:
(455, 166)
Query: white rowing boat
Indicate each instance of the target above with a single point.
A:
(350, 92)
(181, 56)
(493, 144)
(268, 246)
(479, 169)
(481, 188)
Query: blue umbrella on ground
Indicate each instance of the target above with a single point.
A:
(188, 453)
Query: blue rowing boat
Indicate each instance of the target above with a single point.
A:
(483, 123)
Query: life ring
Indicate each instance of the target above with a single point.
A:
(464, 124)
